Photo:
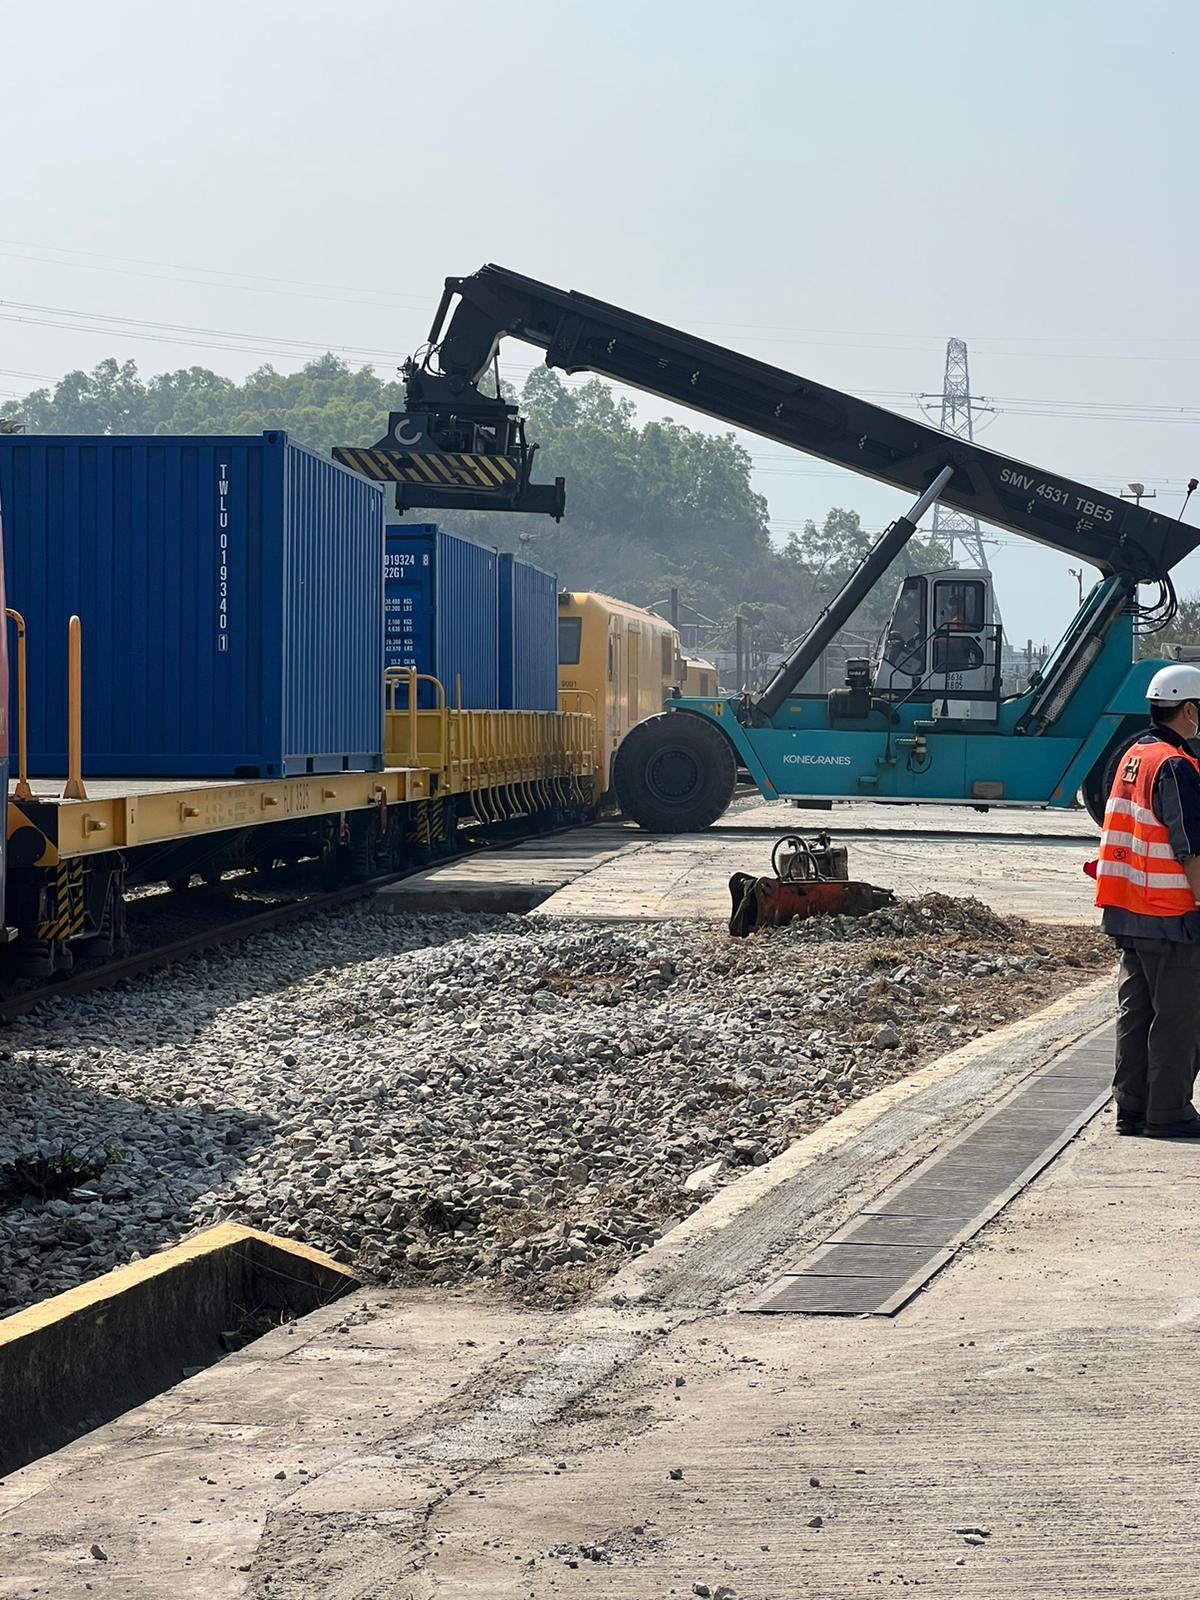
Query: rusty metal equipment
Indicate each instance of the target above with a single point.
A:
(811, 878)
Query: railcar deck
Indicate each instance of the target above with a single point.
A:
(120, 813)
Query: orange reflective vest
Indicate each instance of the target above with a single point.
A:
(1137, 869)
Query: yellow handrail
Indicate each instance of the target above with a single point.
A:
(74, 789)
(22, 791)
(579, 694)
(409, 677)
(598, 732)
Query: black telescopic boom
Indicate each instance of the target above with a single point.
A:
(581, 334)
(839, 611)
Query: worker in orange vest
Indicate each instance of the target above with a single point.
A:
(1148, 883)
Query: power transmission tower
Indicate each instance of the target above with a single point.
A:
(958, 419)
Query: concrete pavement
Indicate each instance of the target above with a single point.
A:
(1023, 863)
(1024, 1429)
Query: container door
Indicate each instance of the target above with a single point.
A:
(408, 586)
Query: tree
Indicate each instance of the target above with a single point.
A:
(818, 561)
(1183, 629)
(325, 403)
(648, 508)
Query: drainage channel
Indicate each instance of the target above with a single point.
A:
(876, 1263)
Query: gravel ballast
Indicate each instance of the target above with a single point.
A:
(449, 1098)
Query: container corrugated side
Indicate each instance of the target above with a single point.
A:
(333, 595)
(528, 636)
(206, 572)
(466, 599)
(441, 592)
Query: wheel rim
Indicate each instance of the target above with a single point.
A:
(673, 775)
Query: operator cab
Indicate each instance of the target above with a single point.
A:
(942, 645)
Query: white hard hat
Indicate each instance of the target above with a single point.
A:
(1177, 682)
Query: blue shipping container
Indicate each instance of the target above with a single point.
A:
(528, 636)
(440, 594)
(230, 591)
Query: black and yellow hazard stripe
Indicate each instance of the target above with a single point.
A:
(436, 469)
(66, 911)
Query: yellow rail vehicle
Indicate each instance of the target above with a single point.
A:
(699, 678)
(616, 661)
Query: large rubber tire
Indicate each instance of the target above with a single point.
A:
(1098, 784)
(674, 773)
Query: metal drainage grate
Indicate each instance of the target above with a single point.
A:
(878, 1261)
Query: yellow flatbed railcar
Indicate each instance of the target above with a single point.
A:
(74, 845)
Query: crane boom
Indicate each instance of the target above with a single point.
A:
(582, 334)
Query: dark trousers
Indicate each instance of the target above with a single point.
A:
(1158, 1029)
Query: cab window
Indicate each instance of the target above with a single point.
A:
(956, 652)
(570, 639)
(904, 645)
(958, 605)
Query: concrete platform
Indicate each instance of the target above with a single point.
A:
(614, 872)
(688, 876)
(514, 878)
(873, 816)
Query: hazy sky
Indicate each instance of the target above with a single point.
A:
(834, 188)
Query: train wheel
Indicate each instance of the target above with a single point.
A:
(397, 850)
(330, 862)
(110, 939)
(362, 853)
(42, 958)
(674, 773)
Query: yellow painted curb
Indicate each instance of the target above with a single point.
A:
(81, 1358)
(20, 1324)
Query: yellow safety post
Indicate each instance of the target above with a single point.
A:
(22, 790)
(74, 789)
(412, 716)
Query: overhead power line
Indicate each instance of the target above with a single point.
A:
(259, 283)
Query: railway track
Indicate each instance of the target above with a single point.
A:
(105, 974)
(874, 831)
(919, 835)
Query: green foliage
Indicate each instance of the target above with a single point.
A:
(650, 506)
(325, 403)
(1185, 629)
(815, 563)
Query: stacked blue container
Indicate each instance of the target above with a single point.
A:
(441, 615)
(528, 636)
(230, 591)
